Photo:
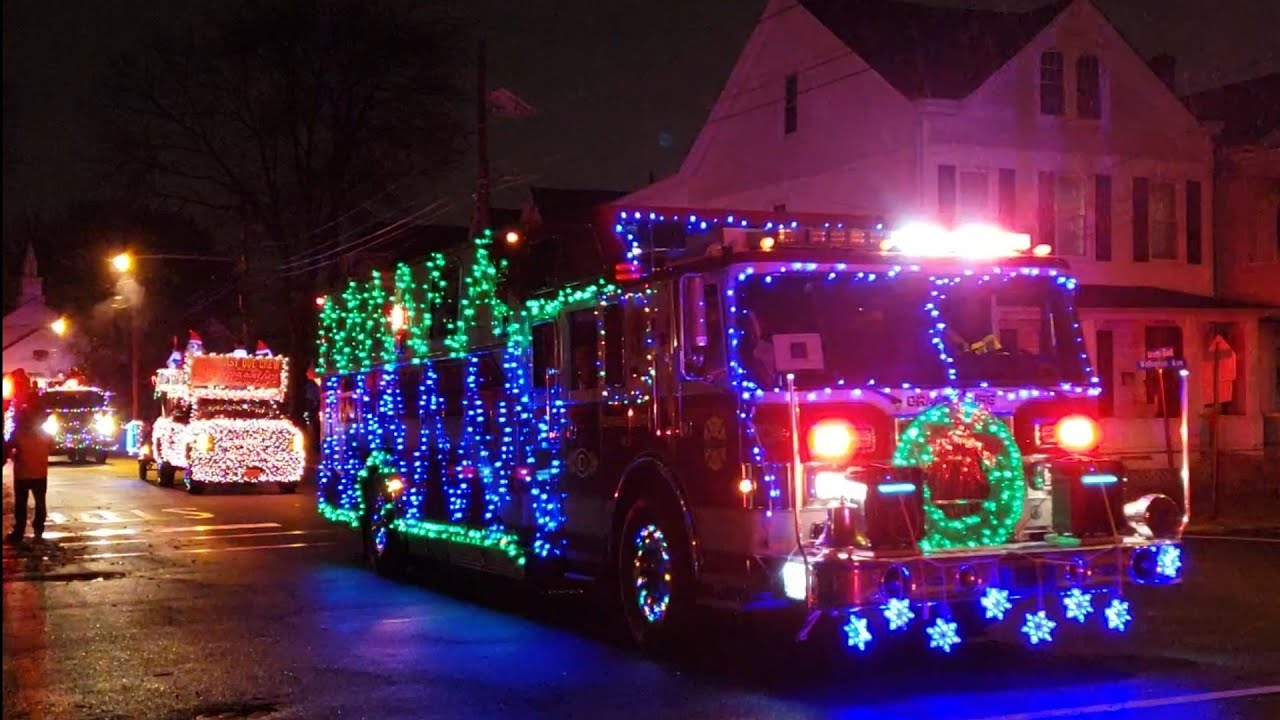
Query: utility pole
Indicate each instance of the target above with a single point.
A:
(242, 270)
(133, 359)
(480, 216)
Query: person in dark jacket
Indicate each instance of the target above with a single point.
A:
(30, 446)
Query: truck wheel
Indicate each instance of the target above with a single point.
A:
(74, 457)
(384, 549)
(288, 488)
(100, 457)
(655, 575)
(166, 473)
(143, 466)
(194, 487)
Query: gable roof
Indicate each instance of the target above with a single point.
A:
(1249, 110)
(931, 52)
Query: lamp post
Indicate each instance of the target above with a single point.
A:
(123, 263)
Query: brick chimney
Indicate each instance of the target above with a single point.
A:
(1165, 67)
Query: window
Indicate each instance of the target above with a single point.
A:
(614, 340)
(1102, 217)
(1045, 214)
(583, 350)
(544, 353)
(789, 104)
(1068, 201)
(1008, 198)
(1165, 398)
(973, 195)
(1106, 368)
(947, 193)
(1163, 221)
(701, 329)
(1088, 87)
(1052, 87)
(1141, 213)
(1194, 256)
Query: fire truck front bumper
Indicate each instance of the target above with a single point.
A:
(836, 579)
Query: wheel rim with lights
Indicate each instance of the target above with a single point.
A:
(651, 573)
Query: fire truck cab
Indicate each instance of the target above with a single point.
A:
(890, 428)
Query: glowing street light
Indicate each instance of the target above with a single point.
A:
(59, 326)
(122, 262)
(512, 237)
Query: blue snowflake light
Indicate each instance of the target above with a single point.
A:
(1117, 614)
(943, 635)
(1169, 560)
(1039, 628)
(1078, 604)
(996, 603)
(898, 612)
(856, 632)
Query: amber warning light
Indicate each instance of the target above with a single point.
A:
(1077, 433)
(833, 440)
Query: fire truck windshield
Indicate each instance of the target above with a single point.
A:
(833, 331)
(72, 399)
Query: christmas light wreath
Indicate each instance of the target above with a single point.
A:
(945, 432)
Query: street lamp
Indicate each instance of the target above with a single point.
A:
(122, 262)
(59, 326)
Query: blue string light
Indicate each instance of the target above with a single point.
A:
(995, 603)
(1038, 628)
(898, 613)
(1117, 614)
(856, 632)
(1077, 604)
(943, 635)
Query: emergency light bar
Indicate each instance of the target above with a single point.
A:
(974, 241)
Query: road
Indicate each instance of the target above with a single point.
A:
(150, 603)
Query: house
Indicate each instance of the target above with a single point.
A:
(1045, 121)
(30, 342)
(1246, 119)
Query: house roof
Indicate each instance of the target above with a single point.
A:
(1112, 296)
(927, 51)
(1248, 110)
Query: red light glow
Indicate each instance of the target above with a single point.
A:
(833, 440)
(1077, 433)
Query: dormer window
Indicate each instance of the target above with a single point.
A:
(1052, 84)
(1088, 87)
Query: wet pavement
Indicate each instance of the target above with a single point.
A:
(150, 603)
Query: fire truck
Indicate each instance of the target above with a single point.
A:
(890, 432)
(221, 422)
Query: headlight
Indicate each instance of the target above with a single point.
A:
(105, 425)
(204, 442)
(299, 443)
(51, 425)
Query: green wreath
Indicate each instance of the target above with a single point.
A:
(937, 432)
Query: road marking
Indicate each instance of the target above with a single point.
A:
(205, 528)
(203, 551)
(1140, 704)
(245, 535)
(100, 556)
(1231, 537)
(189, 513)
(56, 518)
(101, 542)
(101, 516)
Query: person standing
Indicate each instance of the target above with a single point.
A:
(30, 447)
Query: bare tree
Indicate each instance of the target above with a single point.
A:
(288, 118)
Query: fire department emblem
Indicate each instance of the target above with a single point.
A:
(713, 443)
(583, 463)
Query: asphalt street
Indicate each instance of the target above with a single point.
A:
(150, 603)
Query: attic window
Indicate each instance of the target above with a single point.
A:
(789, 105)
(1052, 86)
(1088, 88)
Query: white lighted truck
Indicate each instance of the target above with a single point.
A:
(222, 422)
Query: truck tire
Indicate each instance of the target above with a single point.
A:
(384, 549)
(194, 487)
(166, 474)
(100, 457)
(654, 573)
(143, 467)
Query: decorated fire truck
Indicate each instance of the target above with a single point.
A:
(889, 431)
(77, 417)
(221, 422)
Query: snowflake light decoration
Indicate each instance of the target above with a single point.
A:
(898, 612)
(1078, 604)
(1039, 628)
(1169, 560)
(942, 635)
(996, 603)
(1117, 614)
(856, 632)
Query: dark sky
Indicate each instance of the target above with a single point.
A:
(621, 87)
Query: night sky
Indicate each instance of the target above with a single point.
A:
(620, 87)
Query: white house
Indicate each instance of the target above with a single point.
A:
(1046, 121)
(30, 342)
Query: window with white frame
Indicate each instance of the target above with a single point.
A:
(1069, 209)
(1053, 86)
(1162, 221)
(974, 200)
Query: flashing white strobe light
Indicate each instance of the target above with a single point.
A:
(974, 240)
